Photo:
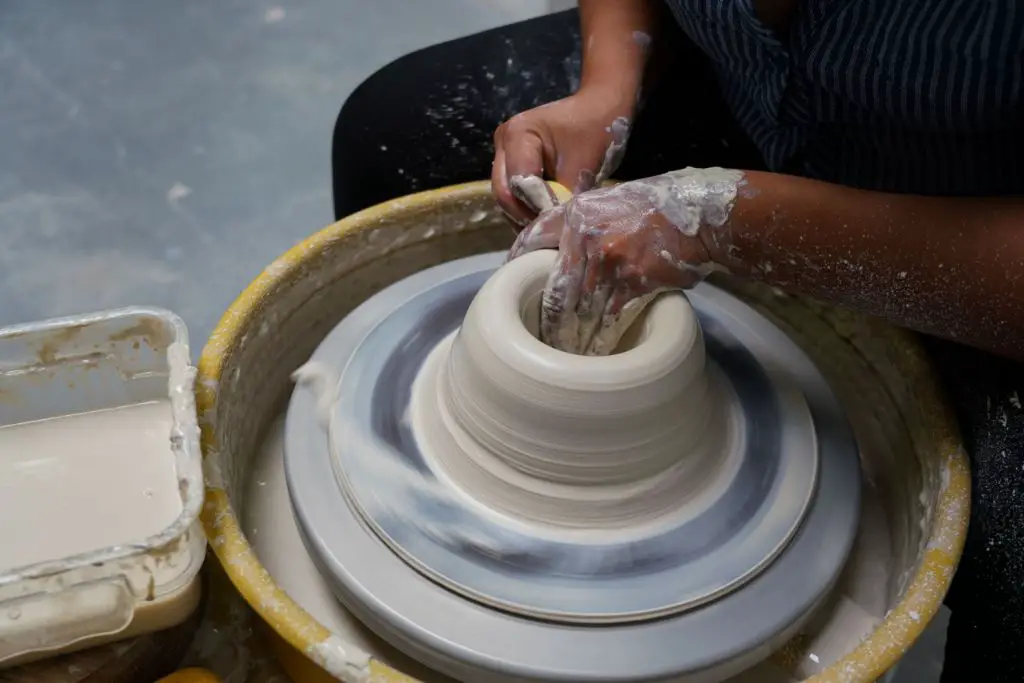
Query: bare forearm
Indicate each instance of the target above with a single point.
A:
(616, 37)
(950, 267)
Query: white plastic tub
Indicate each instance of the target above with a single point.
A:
(100, 481)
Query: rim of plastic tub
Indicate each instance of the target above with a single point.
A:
(870, 660)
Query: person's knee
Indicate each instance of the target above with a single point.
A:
(378, 136)
(369, 104)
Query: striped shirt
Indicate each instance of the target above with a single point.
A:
(916, 96)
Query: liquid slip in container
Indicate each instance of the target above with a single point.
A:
(100, 481)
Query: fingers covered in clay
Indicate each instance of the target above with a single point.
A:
(518, 158)
(577, 141)
(543, 233)
(619, 247)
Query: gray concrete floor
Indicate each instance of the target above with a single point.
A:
(164, 153)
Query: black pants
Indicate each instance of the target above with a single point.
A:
(426, 121)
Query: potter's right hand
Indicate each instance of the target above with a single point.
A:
(577, 141)
(620, 245)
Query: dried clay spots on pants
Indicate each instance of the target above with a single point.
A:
(987, 598)
(456, 94)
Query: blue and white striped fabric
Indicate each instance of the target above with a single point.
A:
(917, 96)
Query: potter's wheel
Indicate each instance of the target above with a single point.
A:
(472, 591)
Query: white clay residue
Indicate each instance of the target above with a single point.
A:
(859, 602)
(322, 380)
(85, 482)
(532, 191)
(692, 198)
(619, 130)
(388, 471)
(641, 39)
(269, 524)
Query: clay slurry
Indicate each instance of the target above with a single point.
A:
(80, 483)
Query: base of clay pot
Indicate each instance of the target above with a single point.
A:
(608, 444)
(451, 568)
(573, 511)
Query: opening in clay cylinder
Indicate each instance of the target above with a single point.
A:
(574, 441)
(637, 331)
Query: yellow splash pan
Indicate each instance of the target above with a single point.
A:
(911, 449)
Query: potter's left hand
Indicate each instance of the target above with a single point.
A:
(618, 246)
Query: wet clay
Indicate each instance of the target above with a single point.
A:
(79, 483)
(567, 440)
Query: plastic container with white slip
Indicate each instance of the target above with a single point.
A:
(100, 481)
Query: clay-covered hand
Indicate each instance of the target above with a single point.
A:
(620, 246)
(577, 141)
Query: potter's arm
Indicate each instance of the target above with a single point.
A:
(953, 267)
(948, 266)
(615, 37)
(579, 139)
